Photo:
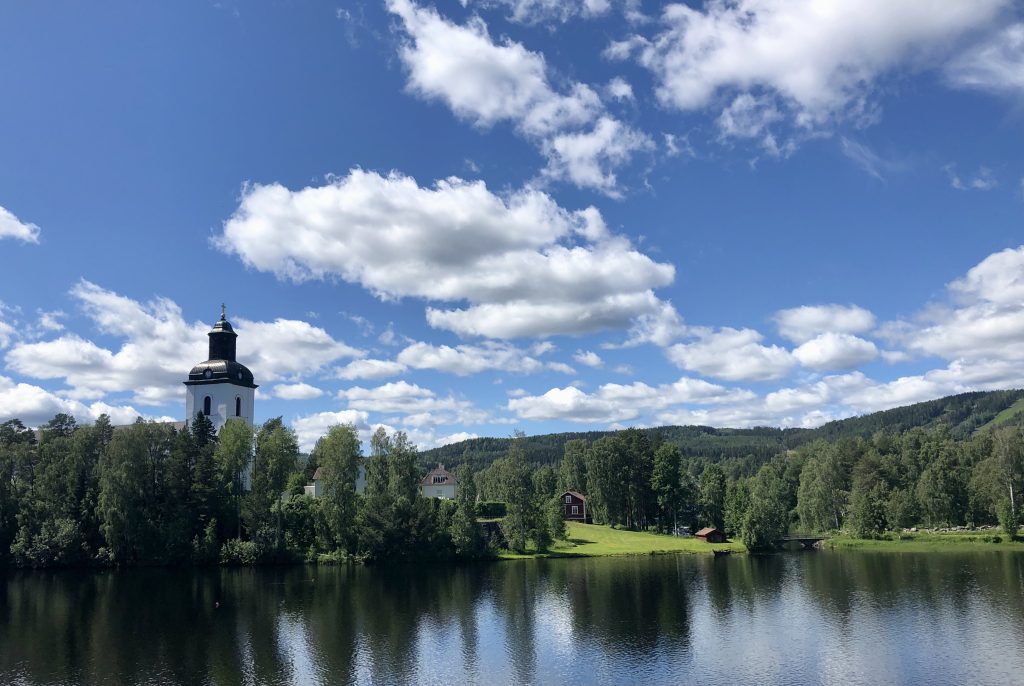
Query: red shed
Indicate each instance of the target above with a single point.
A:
(575, 507)
(711, 535)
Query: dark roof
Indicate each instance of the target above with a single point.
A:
(440, 471)
(574, 494)
(221, 371)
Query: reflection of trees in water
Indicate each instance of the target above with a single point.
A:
(744, 581)
(515, 596)
(631, 607)
(377, 623)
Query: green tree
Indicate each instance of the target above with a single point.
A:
(572, 472)
(766, 520)
(666, 484)
(276, 457)
(737, 501)
(339, 454)
(125, 478)
(867, 511)
(518, 494)
(234, 455)
(712, 496)
(823, 493)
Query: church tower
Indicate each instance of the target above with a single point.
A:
(220, 388)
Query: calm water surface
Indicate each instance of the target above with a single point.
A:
(800, 618)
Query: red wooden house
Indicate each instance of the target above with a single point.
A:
(575, 507)
(711, 535)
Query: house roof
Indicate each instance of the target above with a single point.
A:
(438, 471)
(317, 474)
(707, 530)
(574, 494)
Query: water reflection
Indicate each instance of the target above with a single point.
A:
(797, 618)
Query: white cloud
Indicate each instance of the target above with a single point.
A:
(311, 427)
(486, 83)
(12, 227)
(801, 324)
(464, 360)
(619, 89)
(731, 354)
(868, 160)
(371, 369)
(985, 320)
(983, 180)
(543, 11)
(834, 351)
(526, 266)
(296, 391)
(416, 405)
(35, 406)
(586, 157)
(588, 358)
(159, 348)
(620, 402)
(455, 438)
(7, 333)
(997, 64)
(819, 59)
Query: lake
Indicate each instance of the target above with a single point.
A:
(825, 617)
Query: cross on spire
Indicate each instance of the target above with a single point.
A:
(222, 309)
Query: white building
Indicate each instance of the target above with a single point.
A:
(220, 387)
(438, 483)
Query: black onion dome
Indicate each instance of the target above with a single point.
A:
(222, 370)
(221, 367)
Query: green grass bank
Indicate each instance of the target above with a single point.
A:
(595, 540)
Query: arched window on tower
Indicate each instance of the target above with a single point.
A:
(206, 406)
(238, 406)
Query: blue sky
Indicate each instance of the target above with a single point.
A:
(462, 218)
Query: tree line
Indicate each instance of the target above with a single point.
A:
(149, 494)
(865, 487)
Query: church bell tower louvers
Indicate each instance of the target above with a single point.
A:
(220, 387)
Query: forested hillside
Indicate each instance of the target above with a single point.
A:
(961, 414)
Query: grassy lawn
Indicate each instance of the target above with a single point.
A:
(594, 540)
(926, 541)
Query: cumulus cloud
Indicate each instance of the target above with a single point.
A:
(159, 348)
(996, 64)
(619, 89)
(12, 227)
(464, 360)
(526, 266)
(486, 83)
(35, 406)
(801, 324)
(586, 157)
(985, 319)
(731, 354)
(296, 391)
(588, 358)
(415, 404)
(311, 427)
(834, 351)
(620, 402)
(371, 369)
(817, 62)
(545, 11)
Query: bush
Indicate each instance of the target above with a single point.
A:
(236, 552)
(491, 509)
(1009, 518)
(997, 539)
